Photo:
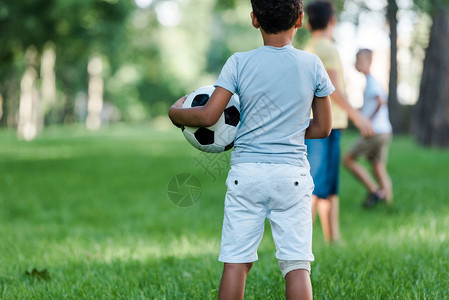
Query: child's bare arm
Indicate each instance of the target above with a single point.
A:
(380, 102)
(362, 123)
(202, 116)
(321, 124)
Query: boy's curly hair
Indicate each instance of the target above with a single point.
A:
(275, 16)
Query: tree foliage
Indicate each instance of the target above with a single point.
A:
(147, 64)
(78, 29)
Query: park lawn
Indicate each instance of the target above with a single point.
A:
(93, 210)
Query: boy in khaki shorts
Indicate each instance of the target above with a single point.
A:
(374, 148)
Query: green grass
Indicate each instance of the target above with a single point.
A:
(92, 209)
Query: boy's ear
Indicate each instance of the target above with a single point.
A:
(308, 26)
(254, 21)
(333, 21)
(299, 22)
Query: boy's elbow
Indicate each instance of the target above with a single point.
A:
(322, 134)
(327, 128)
(208, 119)
(205, 123)
(170, 113)
(325, 132)
(210, 122)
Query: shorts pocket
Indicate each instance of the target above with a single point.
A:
(286, 192)
(243, 188)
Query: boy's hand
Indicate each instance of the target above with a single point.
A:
(180, 102)
(201, 116)
(364, 125)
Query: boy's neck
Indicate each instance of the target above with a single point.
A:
(326, 33)
(278, 40)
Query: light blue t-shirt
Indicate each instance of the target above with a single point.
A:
(276, 87)
(380, 122)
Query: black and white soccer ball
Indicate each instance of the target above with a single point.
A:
(220, 136)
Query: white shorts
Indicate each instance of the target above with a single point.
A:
(281, 193)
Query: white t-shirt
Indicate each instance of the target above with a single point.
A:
(380, 122)
(276, 87)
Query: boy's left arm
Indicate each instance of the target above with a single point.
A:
(380, 102)
(321, 124)
(201, 116)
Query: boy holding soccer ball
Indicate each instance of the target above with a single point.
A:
(278, 86)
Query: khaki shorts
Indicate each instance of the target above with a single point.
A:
(374, 148)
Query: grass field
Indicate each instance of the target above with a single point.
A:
(92, 209)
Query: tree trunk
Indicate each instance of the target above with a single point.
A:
(29, 106)
(48, 83)
(67, 114)
(96, 87)
(1, 107)
(9, 92)
(431, 116)
(393, 104)
(11, 105)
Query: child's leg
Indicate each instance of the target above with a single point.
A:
(360, 173)
(380, 171)
(328, 212)
(232, 285)
(298, 285)
(324, 211)
(243, 225)
(334, 219)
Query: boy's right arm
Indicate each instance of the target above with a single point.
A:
(201, 116)
(321, 124)
(380, 102)
(362, 123)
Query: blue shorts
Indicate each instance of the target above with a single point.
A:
(324, 160)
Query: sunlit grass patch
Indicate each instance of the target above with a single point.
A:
(93, 210)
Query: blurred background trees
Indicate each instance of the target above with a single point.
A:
(107, 60)
(431, 118)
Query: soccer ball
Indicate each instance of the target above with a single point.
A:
(220, 136)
